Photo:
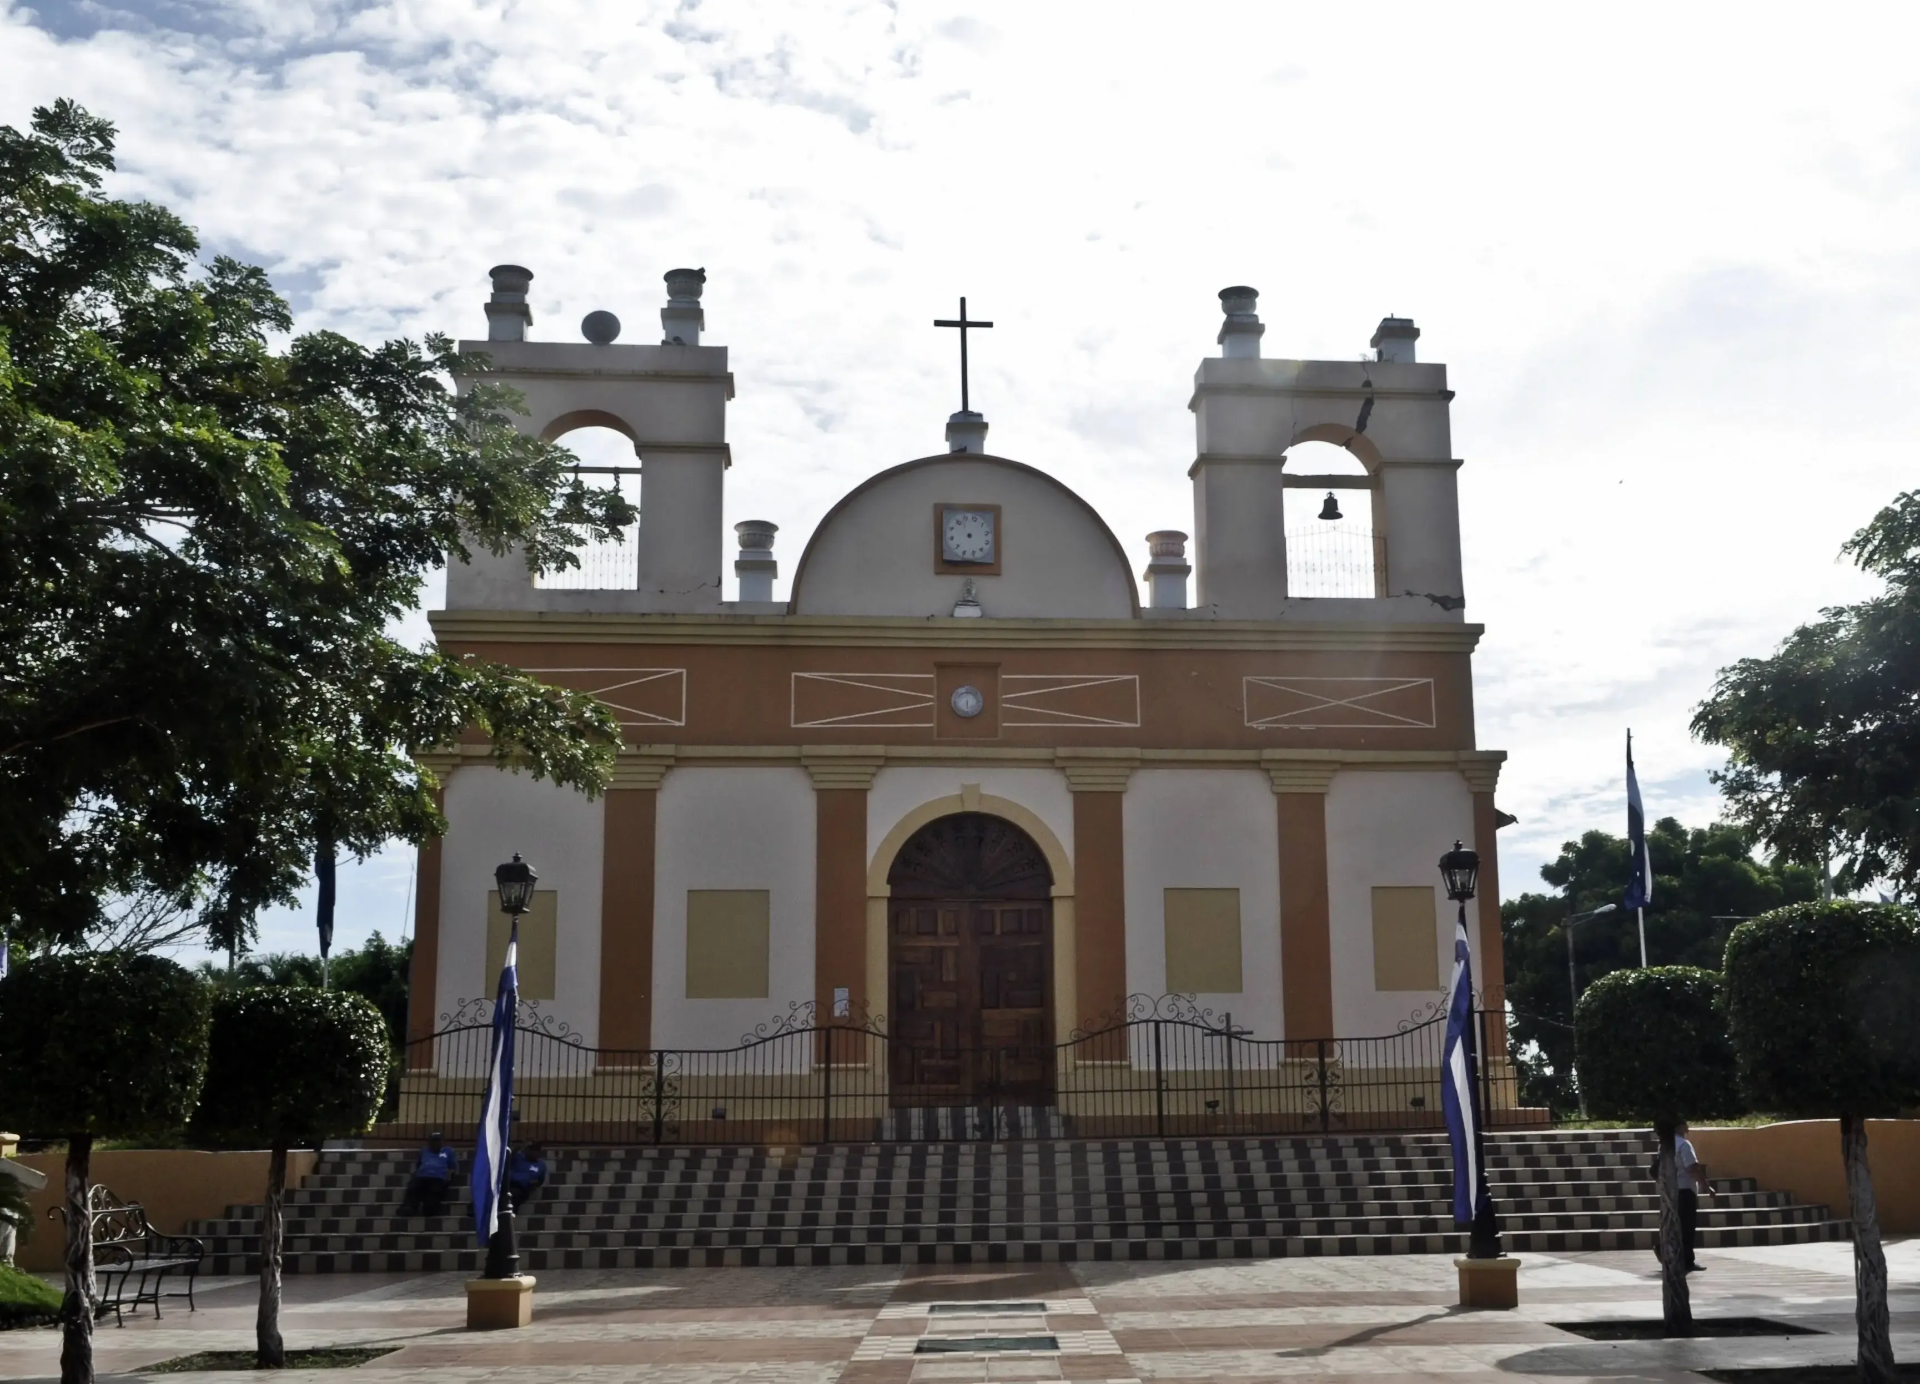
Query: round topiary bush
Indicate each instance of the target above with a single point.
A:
(292, 1066)
(289, 1065)
(1653, 1046)
(105, 1046)
(1823, 1004)
(95, 1046)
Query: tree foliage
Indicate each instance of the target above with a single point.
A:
(1823, 1006)
(204, 538)
(1705, 880)
(101, 1045)
(288, 1065)
(1824, 735)
(380, 971)
(1653, 1046)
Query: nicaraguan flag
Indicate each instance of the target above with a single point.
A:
(1639, 870)
(1458, 1075)
(490, 1147)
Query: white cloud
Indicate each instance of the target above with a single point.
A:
(1676, 293)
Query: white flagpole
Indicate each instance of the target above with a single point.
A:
(1641, 913)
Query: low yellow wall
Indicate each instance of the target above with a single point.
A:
(1803, 1157)
(174, 1185)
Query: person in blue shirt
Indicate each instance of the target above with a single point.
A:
(433, 1174)
(526, 1174)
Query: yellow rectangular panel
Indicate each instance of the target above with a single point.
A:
(727, 942)
(539, 931)
(1203, 941)
(1406, 938)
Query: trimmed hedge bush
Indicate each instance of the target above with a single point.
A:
(102, 1045)
(291, 1066)
(1652, 1045)
(1823, 1005)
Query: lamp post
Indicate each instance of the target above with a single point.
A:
(1573, 921)
(514, 882)
(1460, 872)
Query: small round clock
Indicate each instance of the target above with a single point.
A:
(967, 701)
(967, 535)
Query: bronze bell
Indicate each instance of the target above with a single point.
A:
(1331, 509)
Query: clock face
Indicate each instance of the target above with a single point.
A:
(967, 702)
(966, 535)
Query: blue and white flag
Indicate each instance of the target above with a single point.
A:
(490, 1147)
(1639, 869)
(1459, 1072)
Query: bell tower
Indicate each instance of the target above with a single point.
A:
(1390, 412)
(669, 400)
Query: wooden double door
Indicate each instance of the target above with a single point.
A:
(971, 1002)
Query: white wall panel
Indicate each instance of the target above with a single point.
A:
(491, 813)
(1389, 828)
(1206, 829)
(732, 829)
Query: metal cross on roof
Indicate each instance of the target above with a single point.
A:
(962, 324)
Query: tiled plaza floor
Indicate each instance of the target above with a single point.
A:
(1375, 1319)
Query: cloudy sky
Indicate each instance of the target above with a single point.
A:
(1668, 254)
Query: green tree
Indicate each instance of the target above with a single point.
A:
(1653, 1046)
(379, 971)
(203, 540)
(97, 1046)
(1821, 734)
(1823, 1006)
(289, 1065)
(1706, 880)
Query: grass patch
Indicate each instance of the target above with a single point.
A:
(1653, 1329)
(317, 1358)
(25, 1300)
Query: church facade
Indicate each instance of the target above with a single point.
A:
(963, 786)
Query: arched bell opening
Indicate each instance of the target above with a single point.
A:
(970, 965)
(1336, 537)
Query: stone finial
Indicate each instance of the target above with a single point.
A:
(755, 566)
(1240, 334)
(1393, 340)
(683, 319)
(1167, 569)
(508, 315)
(967, 432)
(600, 327)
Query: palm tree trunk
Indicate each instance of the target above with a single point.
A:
(1676, 1302)
(1874, 1355)
(76, 1309)
(270, 1350)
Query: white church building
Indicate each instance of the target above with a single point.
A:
(964, 785)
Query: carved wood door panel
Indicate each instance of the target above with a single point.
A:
(970, 953)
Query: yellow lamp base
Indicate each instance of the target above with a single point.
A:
(1491, 1285)
(495, 1303)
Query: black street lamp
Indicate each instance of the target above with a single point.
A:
(514, 881)
(1460, 871)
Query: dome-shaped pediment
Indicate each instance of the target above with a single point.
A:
(888, 547)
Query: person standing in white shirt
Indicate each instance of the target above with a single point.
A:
(1690, 1179)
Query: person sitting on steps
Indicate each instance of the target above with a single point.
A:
(526, 1174)
(427, 1190)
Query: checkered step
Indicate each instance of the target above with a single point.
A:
(946, 1202)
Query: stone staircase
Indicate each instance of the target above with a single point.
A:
(977, 1203)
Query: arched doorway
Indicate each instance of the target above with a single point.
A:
(970, 965)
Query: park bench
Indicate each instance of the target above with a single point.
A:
(132, 1260)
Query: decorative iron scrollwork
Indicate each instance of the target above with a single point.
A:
(478, 1013)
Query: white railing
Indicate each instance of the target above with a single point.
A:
(604, 566)
(1333, 558)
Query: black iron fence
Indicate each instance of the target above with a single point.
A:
(1162, 1068)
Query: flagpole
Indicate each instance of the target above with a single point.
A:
(1641, 913)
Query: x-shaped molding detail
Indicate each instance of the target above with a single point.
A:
(667, 691)
(1341, 703)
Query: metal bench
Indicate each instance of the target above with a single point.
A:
(132, 1260)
